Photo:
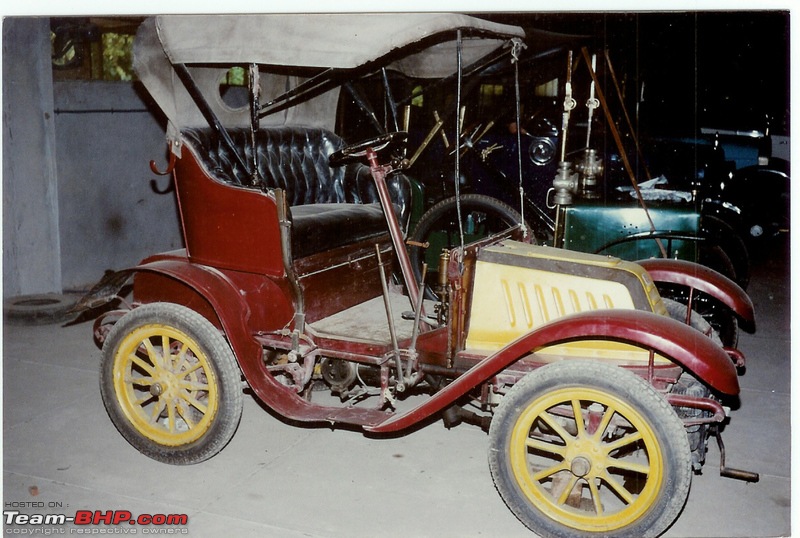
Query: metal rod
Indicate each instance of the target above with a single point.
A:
(622, 153)
(306, 86)
(396, 234)
(426, 142)
(254, 88)
(569, 104)
(459, 120)
(364, 106)
(194, 92)
(730, 472)
(286, 256)
(591, 104)
(389, 98)
(418, 309)
(516, 49)
(627, 116)
(393, 335)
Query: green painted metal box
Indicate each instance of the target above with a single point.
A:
(624, 231)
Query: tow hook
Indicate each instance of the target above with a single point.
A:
(730, 472)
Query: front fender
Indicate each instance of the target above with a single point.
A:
(664, 335)
(701, 278)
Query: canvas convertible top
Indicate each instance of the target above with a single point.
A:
(342, 41)
(290, 48)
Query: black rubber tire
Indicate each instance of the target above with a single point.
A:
(39, 309)
(677, 311)
(663, 481)
(442, 216)
(206, 360)
(720, 317)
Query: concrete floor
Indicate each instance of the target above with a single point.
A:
(278, 480)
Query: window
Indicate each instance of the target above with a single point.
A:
(491, 96)
(92, 48)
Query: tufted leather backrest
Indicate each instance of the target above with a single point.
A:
(295, 159)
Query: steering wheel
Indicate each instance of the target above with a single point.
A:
(357, 151)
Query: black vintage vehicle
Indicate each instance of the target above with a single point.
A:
(599, 394)
(738, 180)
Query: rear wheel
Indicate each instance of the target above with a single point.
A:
(170, 383)
(582, 448)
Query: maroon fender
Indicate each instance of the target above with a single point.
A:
(234, 316)
(231, 311)
(666, 336)
(701, 278)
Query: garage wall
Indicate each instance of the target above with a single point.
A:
(77, 193)
(111, 214)
(31, 250)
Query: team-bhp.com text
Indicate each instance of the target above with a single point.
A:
(94, 522)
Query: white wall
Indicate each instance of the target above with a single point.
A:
(110, 217)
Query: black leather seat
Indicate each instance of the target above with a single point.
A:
(329, 207)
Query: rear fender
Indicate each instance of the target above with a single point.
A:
(236, 318)
(228, 309)
(701, 278)
(233, 316)
(665, 336)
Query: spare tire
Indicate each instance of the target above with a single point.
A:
(38, 309)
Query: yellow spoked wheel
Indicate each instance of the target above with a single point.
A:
(170, 383)
(165, 385)
(582, 448)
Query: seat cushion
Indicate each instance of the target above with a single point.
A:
(319, 227)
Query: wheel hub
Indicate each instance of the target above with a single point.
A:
(166, 385)
(580, 466)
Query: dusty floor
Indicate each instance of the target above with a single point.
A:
(61, 454)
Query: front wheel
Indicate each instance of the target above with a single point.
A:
(170, 383)
(583, 448)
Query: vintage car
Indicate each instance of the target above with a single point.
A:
(598, 395)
